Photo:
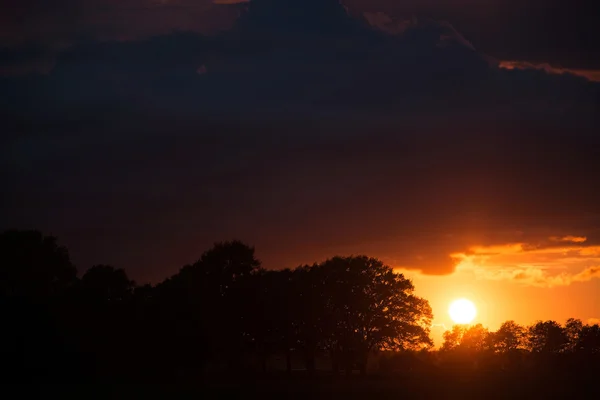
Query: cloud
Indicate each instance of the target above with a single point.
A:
(538, 277)
(537, 265)
(429, 65)
(569, 239)
(554, 35)
(384, 22)
(51, 29)
(25, 60)
(592, 75)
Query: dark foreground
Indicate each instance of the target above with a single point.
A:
(447, 386)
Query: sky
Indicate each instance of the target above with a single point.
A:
(558, 32)
(454, 139)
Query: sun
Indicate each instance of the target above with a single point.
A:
(462, 311)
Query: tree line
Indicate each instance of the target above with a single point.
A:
(547, 337)
(542, 345)
(226, 313)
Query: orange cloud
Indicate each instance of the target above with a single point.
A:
(592, 75)
(572, 239)
(384, 22)
(549, 266)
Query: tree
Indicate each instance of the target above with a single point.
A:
(107, 323)
(207, 305)
(313, 322)
(589, 339)
(453, 337)
(107, 284)
(466, 338)
(546, 337)
(508, 338)
(372, 307)
(33, 265)
(476, 339)
(466, 346)
(35, 277)
(573, 329)
(274, 308)
(230, 261)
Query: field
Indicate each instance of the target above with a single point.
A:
(434, 386)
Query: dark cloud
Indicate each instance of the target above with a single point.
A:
(559, 32)
(40, 21)
(25, 60)
(56, 25)
(305, 143)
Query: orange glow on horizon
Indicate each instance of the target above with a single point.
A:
(552, 279)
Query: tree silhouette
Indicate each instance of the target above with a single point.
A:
(208, 305)
(107, 324)
(36, 275)
(33, 265)
(466, 347)
(107, 284)
(476, 338)
(313, 322)
(508, 338)
(225, 312)
(572, 331)
(372, 308)
(589, 339)
(273, 325)
(453, 337)
(546, 337)
(466, 338)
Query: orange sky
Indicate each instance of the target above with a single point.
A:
(514, 282)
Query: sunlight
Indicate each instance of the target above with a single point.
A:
(462, 311)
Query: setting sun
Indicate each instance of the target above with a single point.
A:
(462, 311)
